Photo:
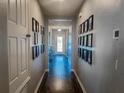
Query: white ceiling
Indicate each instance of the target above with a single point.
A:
(61, 7)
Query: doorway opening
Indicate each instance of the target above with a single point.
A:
(59, 44)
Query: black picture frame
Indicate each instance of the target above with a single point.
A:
(82, 54)
(37, 37)
(43, 30)
(36, 54)
(43, 48)
(33, 24)
(33, 52)
(85, 54)
(90, 57)
(35, 41)
(83, 27)
(86, 26)
(80, 40)
(87, 40)
(90, 40)
(91, 23)
(39, 49)
(83, 39)
(36, 25)
(80, 30)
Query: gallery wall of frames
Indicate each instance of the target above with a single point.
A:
(38, 39)
(85, 40)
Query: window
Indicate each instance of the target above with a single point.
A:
(59, 44)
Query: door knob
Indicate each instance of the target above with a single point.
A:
(28, 35)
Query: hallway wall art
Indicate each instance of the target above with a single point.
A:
(38, 39)
(85, 40)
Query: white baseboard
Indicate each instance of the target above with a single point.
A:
(38, 85)
(80, 83)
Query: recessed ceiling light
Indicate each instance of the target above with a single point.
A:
(59, 30)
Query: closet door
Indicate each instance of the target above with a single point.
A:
(18, 44)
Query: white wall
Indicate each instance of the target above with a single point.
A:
(4, 81)
(38, 65)
(102, 77)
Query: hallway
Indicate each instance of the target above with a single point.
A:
(60, 78)
(61, 46)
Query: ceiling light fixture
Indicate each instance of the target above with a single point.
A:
(59, 30)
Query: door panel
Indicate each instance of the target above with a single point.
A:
(23, 55)
(13, 59)
(12, 10)
(23, 12)
(18, 44)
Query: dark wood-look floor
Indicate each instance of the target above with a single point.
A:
(59, 79)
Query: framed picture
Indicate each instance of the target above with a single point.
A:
(79, 52)
(33, 24)
(89, 57)
(90, 40)
(86, 26)
(42, 39)
(83, 39)
(35, 41)
(80, 31)
(41, 49)
(82, 53)
(83, 27)
(43, 30)
(33, 52)
(37, 26)
(85, 54)
(37, 38)
(38, 50)
(87, 40)
(91, 22)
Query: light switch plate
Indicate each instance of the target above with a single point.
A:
(116, 34)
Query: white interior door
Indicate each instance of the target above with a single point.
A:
(18, 44)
